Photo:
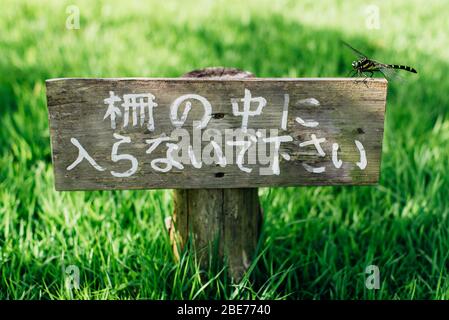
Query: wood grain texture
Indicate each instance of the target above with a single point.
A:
(349, 110)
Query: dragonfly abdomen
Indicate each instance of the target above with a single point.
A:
(402, 67)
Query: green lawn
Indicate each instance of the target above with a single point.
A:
(316, 241)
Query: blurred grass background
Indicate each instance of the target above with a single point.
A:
(317, 241)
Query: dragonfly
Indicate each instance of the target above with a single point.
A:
(364, 66)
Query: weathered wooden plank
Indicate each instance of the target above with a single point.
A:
(347, 111)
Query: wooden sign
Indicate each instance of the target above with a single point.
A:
(195, 133)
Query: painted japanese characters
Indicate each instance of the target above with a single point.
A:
(179, 133)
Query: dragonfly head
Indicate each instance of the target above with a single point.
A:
(355, 64)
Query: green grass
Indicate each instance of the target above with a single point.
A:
(316, 241)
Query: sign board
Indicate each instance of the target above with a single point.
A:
(143, 133)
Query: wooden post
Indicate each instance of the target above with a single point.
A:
(225, 219)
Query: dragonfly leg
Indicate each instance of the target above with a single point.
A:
(359, 74)
(365, 81)
(366, 76)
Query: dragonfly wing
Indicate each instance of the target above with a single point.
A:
(357, 52)
(391, 74)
